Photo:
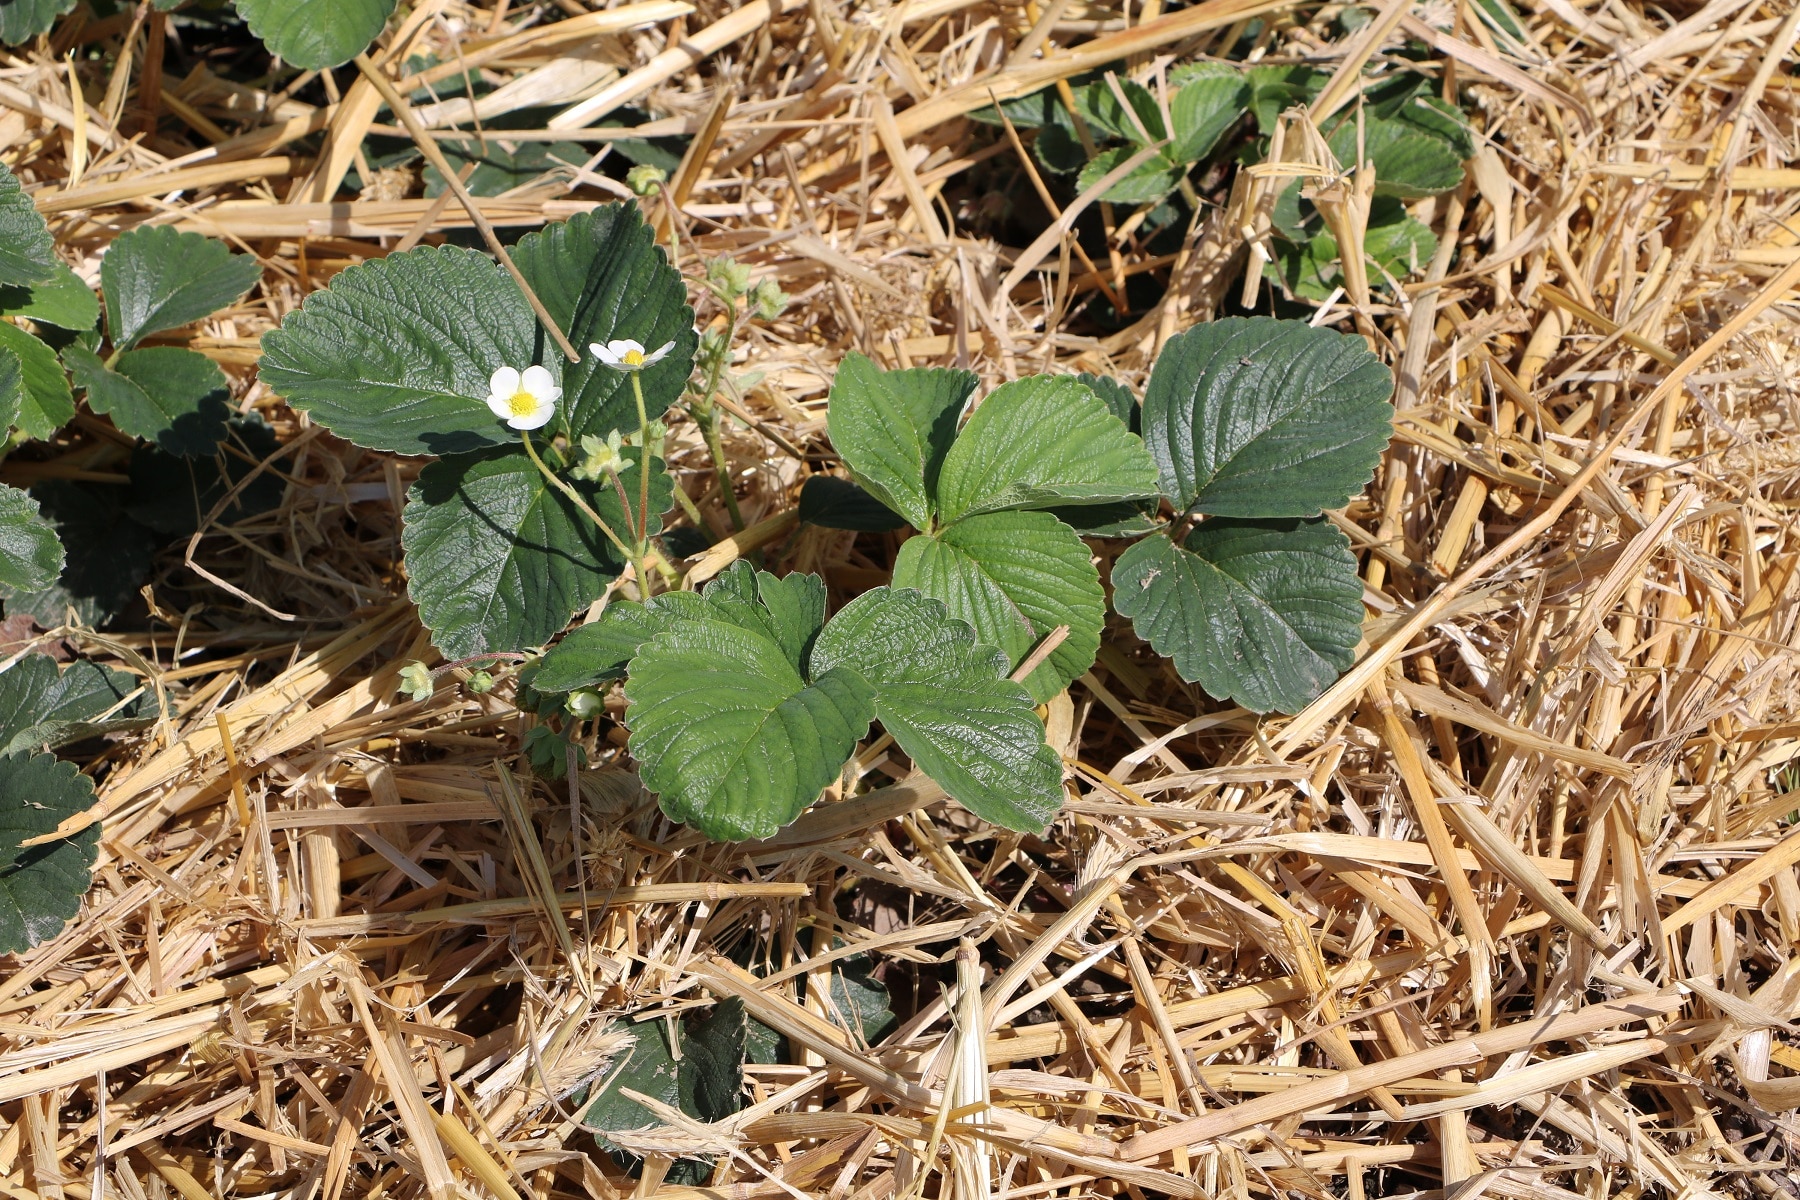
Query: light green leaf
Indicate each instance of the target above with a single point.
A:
(31, 555)
(41, 886)
(499, 170)
(48, 403)
(1146, 183)
(603, 278)
(27, 254)
(893, 429)
(1261, 417)
(1409, 160)
(730, 736)
(12, 388)
(316, 35)
(1038, 442)
(397, 353)
(948, 704)
(157, 278)
(61, 300)
(42, 707)
(497, 560)
(108, 556)
(1014, 577)
(1263, 613)
(1211, 99)
(166, 395)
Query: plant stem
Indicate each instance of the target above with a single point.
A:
(710, 422)
(637, 391)
(556, 481)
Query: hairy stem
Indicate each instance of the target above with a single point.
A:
(556, 481)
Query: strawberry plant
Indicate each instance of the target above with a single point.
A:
(310, 34)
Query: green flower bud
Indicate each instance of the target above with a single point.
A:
(767, 300)
(728, 277)
(584, 704)
(480, 682)
(646, 180)
(600, 457)
(415, 681)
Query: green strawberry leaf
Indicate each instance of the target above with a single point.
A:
(862, 999)
(12, 388)
(172, 397)
(712, 1063)
(1107, 118)
(1146, 183)
(157, 278)
(706, 1082)
(1258, 417)
(31, 555)
(1276, 88)
(1059, 149)
(42, 707)
(1119, 399)
(498, 560)
(108, 556)
(647, 1066)
(397, 353)
(730, 736)
(833, 503)
(1263, 613)
(1410, 161)
(1014, 577)
(894, 428)
(27, 254)
(48, 403)
(1126, 518)
(1038, 442)
(61, 300)
(316, 35)
(499, 170)
(41, 886)
(1211, 99)
(603, 278)
(599, 651)
(948, 704)
(171, 494)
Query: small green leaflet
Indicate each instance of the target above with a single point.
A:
(48, 403)
(316, 35)
(1141, 124)
(61, 300)
(497, 560)
(1263, 613)
(1410, 161)
(1259, 417)
(27, 254)
(1394, 243)
(157, 278)
(31, 555)
(41, 886)
(173, 397)
(1209, 99)
(43, 707)
(894, 428)
(1145, 183)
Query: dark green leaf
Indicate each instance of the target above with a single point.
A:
(49, 404)
(12, 388)
(1146, 183)
(1141, 124)
(31, 555)
(894, 428)
(603, 278)
(498, 169)
(42, 707)
(108, 555)
(397, 353)
(171, 494)
(61, 300)
(1250, 417)
(834, 503)
(1059, 150)
(1127, 518)
(1014, 577)
(599, 651)
(41, 886)
(27, 254)
(156, 277)
(1211, 99)
(1263, 613)
(1274, 89)
(712, 1063)
(316, 34)
(1038, 442)
(948, 704)
(1119, 399)
(648, 1067)
(173, 397)
(861, 998)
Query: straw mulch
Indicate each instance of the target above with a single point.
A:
(1511, 911)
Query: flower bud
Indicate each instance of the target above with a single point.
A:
(728, 277)
(415, 681)
(584, 704)
(480, 682)
(645, 179)
(767, 300)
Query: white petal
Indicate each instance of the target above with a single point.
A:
(604, 354)
(662, 352)
(504, 382)
(540, 416)
(539, 383)
(501, 405)
(625, 346)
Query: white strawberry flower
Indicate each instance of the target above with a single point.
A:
(524, 400)
(627, 355)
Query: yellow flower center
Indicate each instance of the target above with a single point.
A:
(522, 403)
(632, 358)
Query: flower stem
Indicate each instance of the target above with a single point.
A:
(710, 422)
(557, 482)
(637, 391)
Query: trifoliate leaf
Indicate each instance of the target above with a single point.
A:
(1146, 183)
(12, 388)
(498, 169)
(398, 352)
(1211, 99)
(171, 494)
(730, 736)
(1263, 417)
(498, 560)
(1263, 613)
(42, 707)
(316, 35)
(599, 651)
(61, 300)
(948, 704)
(833, 503)
(173, 397)
(1038, 442)
(41, 886)
(603, 278)
(894, 428)
(108, 555)
(31, 555)
(1014, 577)
(48, 403)
(705, 1082)
(1409, 160)
(27, 255)
(156, 277)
